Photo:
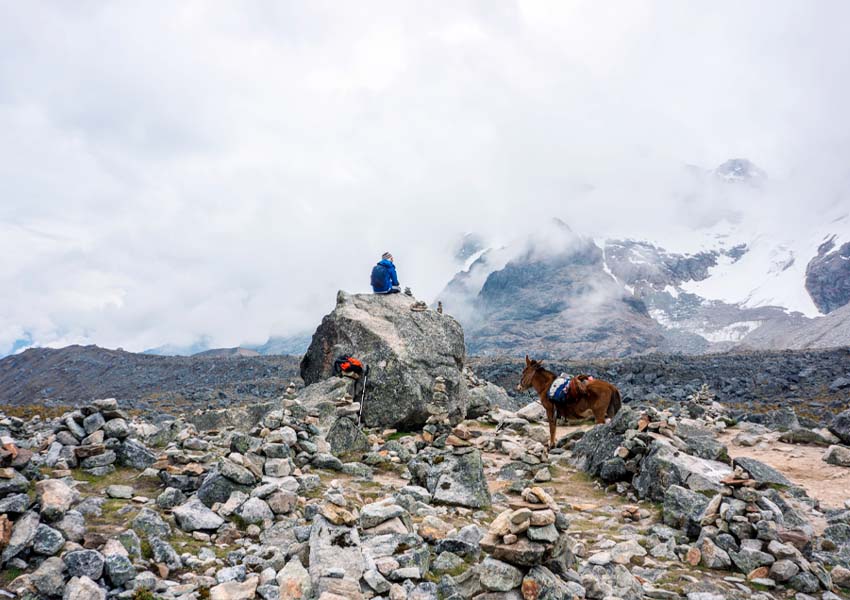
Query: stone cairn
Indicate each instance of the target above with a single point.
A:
(521, 540)
(437, 427)
(95, 439)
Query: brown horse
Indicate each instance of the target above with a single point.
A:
(585, 396)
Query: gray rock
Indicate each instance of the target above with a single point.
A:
(93, 422)
(683, 509)
(164, 553)
(16, 484)
(499, 576)
(327, 461)
(72, 526)
(99, 460)
(116, 428)
(376, 513)
(664, 467)
(838, 455)
(194, 516)
(15, 504)
(236, 473)
(170, 497)
(49, 577)
(840, 426)
(47, 541)
(23, 533)
(218, 488)
(455, 479)
(783, 570)
(346, 438)
(714, 557)
(83, 588)
(119, 569)
(254, 510)
(543, 584)
(132, 453)
(406, 351)
(124, 492)
(150, 524)
(88, 563)
(748, 559)
(761, 472)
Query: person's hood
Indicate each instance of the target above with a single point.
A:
(386, 262)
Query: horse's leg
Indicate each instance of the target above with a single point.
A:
(552, 417)
(600, 410)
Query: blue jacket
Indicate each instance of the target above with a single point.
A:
(384, 277)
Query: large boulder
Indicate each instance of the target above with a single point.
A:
(665, 466)
(840, 426)
(452, 478)
(406, 351)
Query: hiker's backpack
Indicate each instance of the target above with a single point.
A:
(345, 364)
(380, 278)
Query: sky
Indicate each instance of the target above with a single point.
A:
(217, 170)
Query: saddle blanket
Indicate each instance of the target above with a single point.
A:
(558, 389)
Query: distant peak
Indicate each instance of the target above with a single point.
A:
(740, 170)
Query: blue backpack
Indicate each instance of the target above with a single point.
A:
(380, 278)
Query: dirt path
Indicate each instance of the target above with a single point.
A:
(803, 465)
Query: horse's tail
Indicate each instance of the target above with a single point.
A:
(615, 403)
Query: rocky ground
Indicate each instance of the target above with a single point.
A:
(293, 496)
(307, 504)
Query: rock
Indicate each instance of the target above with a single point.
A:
(99, 460)
(712, 556)
(55, 497)
(234, 590)
(49, 577)
(841, 576)
(149, 524)
(282, 502)
(482, 398)
(72, 526)
(194, 516)
(237, 473)
(840, 426)
(119, 569)
(346, 438)
(455, 479)
(124, 492)
(47, 541)
(22, 536)
(170, 497)
(164, 553)
(15, 504)
(749, 559)
(664, 467)
(683, 509)
(376, 513)
(133, 454)
(542, 584)
(218, 488)
(761, 472)
(93, 422)
(116, 428)
(783, 570)
(88, 563)
(499, 576)
(405, 350)
(83, 588)
(838, 455)
(294, 581)
(16, 484)
(254, 510)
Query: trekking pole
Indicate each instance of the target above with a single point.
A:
(363, 395)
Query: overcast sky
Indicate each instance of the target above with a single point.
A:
(171, 170)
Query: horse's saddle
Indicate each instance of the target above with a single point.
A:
(565, 383)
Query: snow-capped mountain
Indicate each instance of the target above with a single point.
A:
(761, 273)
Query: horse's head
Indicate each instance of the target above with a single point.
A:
(531, 367)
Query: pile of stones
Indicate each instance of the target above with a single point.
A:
(95, 439)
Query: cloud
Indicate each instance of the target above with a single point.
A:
(169, 172)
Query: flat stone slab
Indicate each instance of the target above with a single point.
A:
(761, 472)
